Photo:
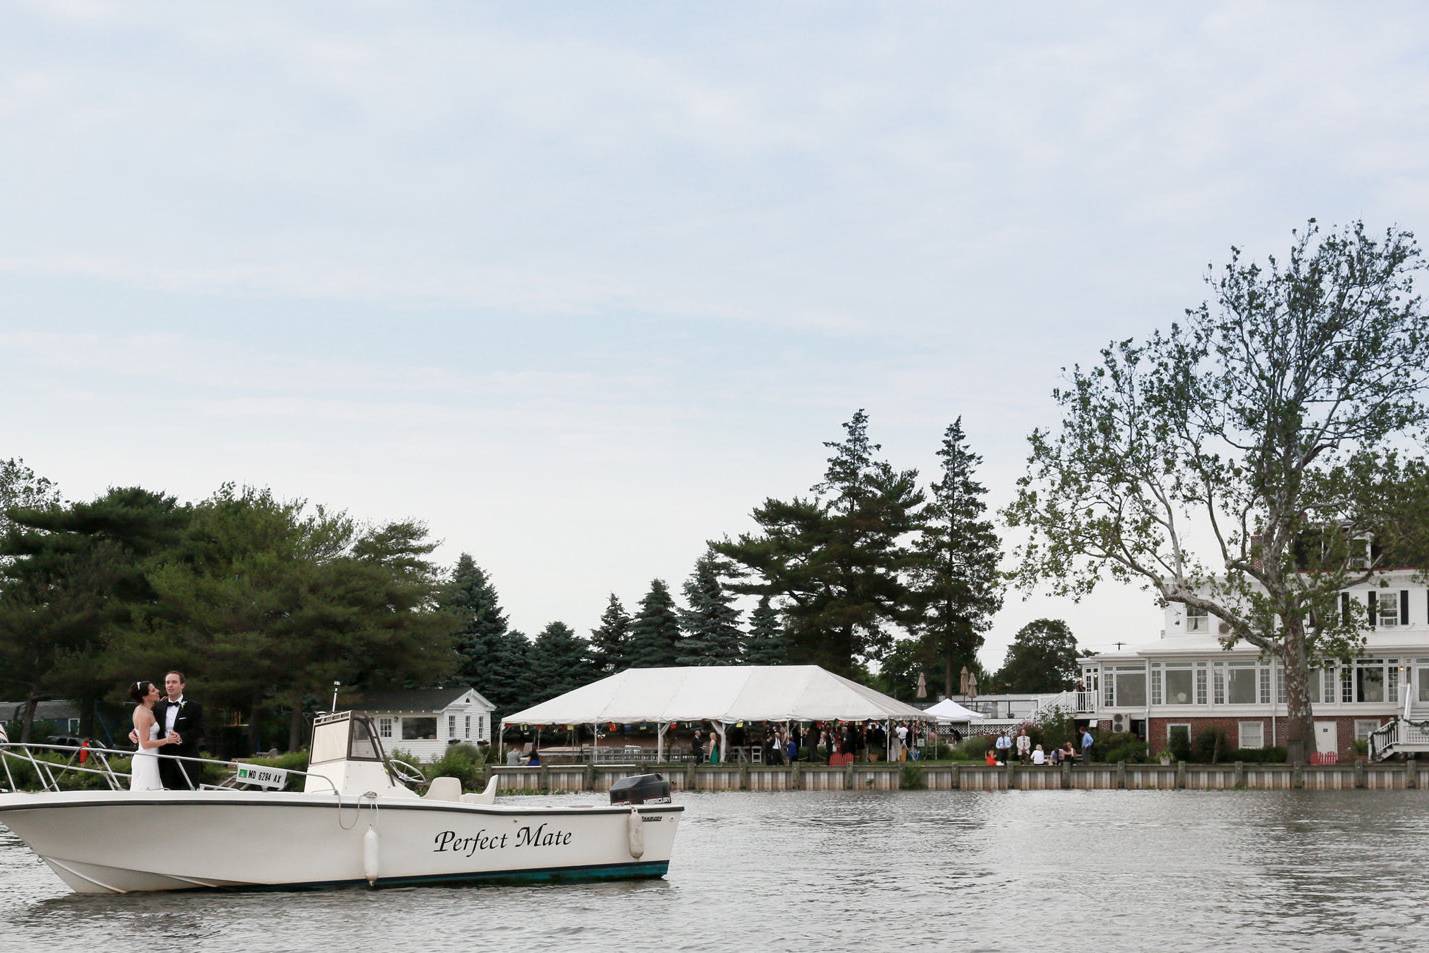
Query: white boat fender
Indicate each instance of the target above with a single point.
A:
(369, 856)
(637, 834)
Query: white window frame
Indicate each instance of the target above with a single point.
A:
(1364, 727)
(1258, 730)
(384, 726)
(451, 725)
(1387, 616)
(1190, 672)
(467, 734)
(1177, 724)
(481, 727)
(1197, 620)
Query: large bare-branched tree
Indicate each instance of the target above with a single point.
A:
(1253, 461)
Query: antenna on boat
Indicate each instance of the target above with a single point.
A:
(335, 686)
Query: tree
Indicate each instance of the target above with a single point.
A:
(711, 623)
(559, 662)
(74, 575)
(836, 560)
(655, 632)
(1041, 658)
(512, 687)
(22, 489)
(472, 599)
(1238, 463)
(956, 581)
(610, 641)
(765, 644)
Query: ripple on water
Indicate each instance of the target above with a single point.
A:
(1070, 871)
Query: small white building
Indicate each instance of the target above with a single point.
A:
(424, 721)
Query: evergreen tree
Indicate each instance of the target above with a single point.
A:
(511, 685)
(611, 640)
(957, 584)
(471, 598)
(837, 560)
(765, 644)
(655, 631)
(711, 622)
(559, 662)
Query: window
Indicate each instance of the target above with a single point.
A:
(1197, 620)
(1130, 688)
(1369, 677)
(481, 726)
(451, 726)
(1252, 734)
(1200, 684)
(1388, 615)
(1347, 684)
(467, 731)
(419, 729)
(1218, 678)
(1178, 686)
(1364, 727)
(384, 727)
(1242, 685)
(1317, 685)
(1264, 698)
(1156, 684)
(72, 726)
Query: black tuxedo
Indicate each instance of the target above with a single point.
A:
(188, 725)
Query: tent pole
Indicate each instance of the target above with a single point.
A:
(595, 742)
(660, 742)
(501, 742)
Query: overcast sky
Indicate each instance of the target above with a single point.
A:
(579, 285)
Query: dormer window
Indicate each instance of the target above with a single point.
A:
(1197, 620)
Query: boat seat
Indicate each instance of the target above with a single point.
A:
(444, 789)
(487, 796)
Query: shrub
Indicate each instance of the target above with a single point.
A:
(1361, 745)
(910, 778)
(1180, 747)
(466, 763)
(971, 748)
(1114, 746)
(1256, 755)
(1210, 747)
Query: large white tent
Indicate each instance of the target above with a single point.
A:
(721, 695)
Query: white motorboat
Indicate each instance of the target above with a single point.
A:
(354, 822)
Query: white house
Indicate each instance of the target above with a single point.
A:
(423, 722)
(1184, 681)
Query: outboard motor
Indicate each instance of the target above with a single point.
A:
(641, 789)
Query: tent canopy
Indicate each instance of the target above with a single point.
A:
(949, 710)
(726, 694)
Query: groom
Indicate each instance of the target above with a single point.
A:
(178, 715)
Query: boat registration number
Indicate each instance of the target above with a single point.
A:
(256, 775)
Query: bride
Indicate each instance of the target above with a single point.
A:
(144, 770)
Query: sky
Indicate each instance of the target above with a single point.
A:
(579, 285)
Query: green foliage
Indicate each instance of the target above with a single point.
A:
(1211, 745)
(1360, 746)
(711, 622)
(765, 643)
(559, 662)
(1041, 658)
(1180, 747)
(1256, 756)
(610, 641)
(971, 748)
(911, 778)
(481, 625)
(655, 633)
(1054, 728)
(466, 763)
(957, 587)
(836, 561)
(1114, 746)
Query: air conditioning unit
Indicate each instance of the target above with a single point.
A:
(1118, 723)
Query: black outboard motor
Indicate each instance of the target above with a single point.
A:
(641, 789)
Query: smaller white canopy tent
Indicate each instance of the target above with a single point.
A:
(719, 694)
(949, 710)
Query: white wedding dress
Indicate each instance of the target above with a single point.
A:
(144, 771)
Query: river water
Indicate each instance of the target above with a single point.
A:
(1009, 871)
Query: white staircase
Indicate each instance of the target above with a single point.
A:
(1408, 734)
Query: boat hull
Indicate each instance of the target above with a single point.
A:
(108, 842)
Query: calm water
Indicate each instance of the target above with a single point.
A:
(1065, 871)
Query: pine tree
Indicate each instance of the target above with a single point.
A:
(711, 622)
(511, 686)
(610, 642)
(559, 662)
(765, 645)
(837, 560)
(957, 583)
(471, 597)
(655, 631)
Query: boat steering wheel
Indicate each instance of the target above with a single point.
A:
(403, 771)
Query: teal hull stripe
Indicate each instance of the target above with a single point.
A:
(649, 869)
